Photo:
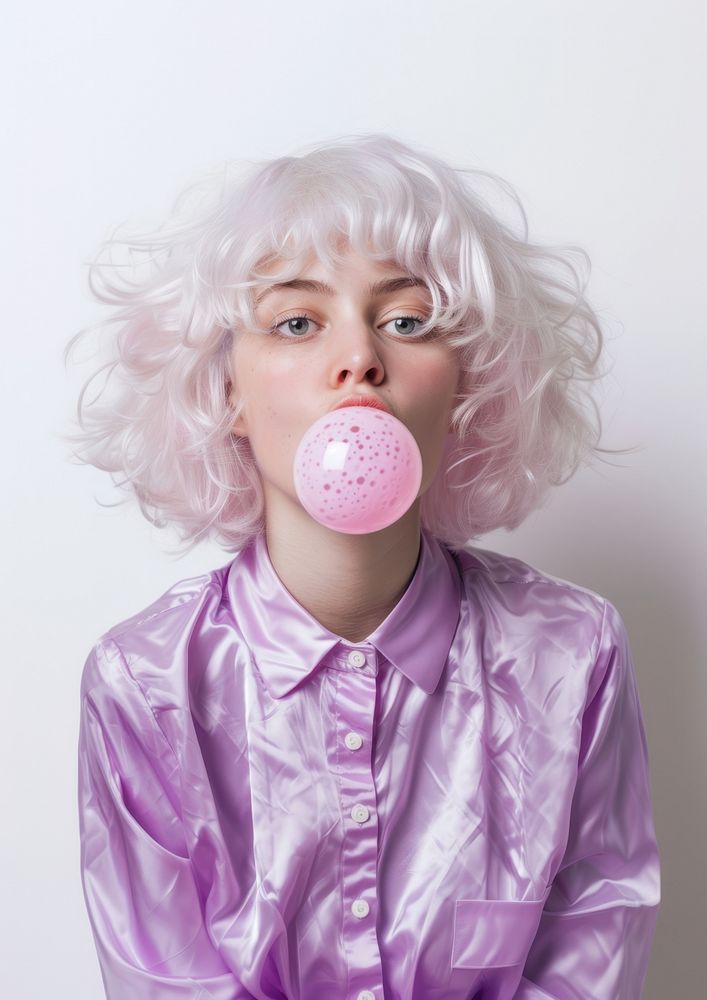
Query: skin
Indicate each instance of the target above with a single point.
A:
(351, 344)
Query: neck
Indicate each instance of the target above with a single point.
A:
(348, 583)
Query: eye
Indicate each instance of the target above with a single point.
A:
(298, 325)
(406, 325)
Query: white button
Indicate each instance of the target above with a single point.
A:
(353, 741)
(360, 908)
(360, 813)
(356, 658)
(366, 995)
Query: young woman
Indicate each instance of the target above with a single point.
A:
(365, 763)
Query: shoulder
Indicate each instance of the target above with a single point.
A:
(151, 638)
(525, 614)
(175, 605)
(527, 599)
(509, 574)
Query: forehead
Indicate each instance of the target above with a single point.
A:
(310, 273)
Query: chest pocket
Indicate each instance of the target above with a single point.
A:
(492, 933)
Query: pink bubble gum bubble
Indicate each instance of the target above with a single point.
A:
(357, 470)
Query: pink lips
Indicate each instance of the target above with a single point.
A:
(362, 400)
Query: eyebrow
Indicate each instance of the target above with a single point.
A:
(320, 288)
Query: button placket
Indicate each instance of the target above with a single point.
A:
(356, 700)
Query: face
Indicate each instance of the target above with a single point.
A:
(360, 337)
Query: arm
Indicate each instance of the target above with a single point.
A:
(596, 930)
(142, 899)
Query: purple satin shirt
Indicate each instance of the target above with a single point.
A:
(456, 808)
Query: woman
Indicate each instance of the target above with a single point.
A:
(372, 764)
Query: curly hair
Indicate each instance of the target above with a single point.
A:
(527, 341)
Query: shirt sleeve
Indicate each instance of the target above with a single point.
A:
(597, 926)
(143, 903)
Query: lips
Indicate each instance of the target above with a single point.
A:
(362, 400)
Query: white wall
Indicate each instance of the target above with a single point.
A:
(593, 111)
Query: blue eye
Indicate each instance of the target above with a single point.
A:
(406, 325)
(295, 325)
(298, 326)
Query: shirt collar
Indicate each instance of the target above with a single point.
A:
(288, 644)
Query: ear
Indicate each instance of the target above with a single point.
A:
(239, 425)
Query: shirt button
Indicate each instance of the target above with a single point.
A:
(366, 995)
(360, 908)
(353, 741)
(356, 658)
(360, 813)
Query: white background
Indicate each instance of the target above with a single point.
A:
(594, 112)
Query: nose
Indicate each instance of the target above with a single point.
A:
(355, 355)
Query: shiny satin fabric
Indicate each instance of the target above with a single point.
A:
(457, 808)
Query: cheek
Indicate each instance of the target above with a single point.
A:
(436, 380)
(266, 383)
(276, 407)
